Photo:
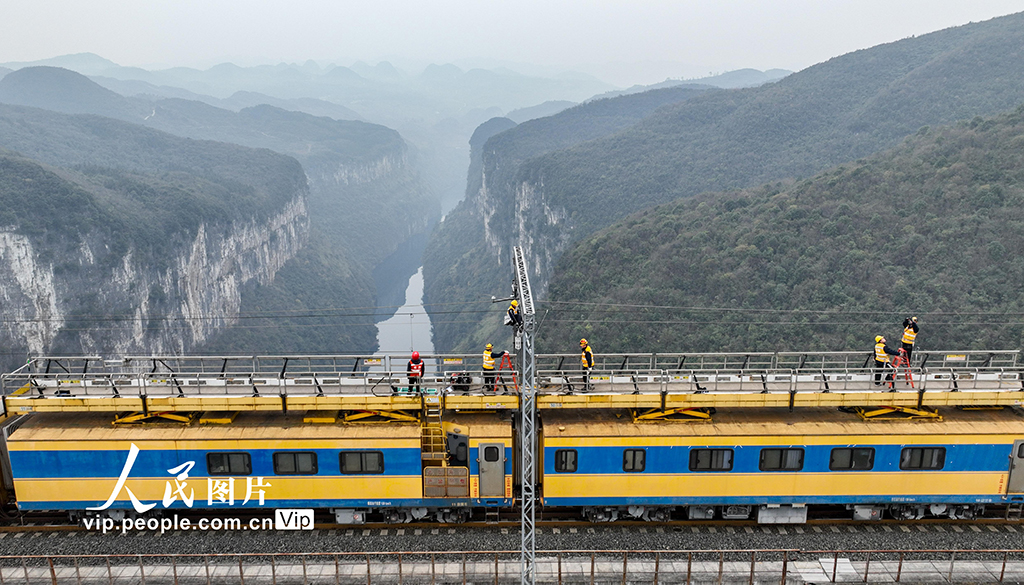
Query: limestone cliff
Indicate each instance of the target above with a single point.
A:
(132, 306)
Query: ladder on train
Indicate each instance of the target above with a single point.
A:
(506, 363)
(433, 450)
(901, 361)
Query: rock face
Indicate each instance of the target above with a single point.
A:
(117, 239)
(469, 254)
(545, 187)
(148, 310)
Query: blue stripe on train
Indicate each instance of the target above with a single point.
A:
(155, 463)
(746, 459)
(751, 500)
(99, 464)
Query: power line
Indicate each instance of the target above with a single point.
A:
(625, 306)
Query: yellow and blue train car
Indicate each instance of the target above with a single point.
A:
(776, 463)
(81, 462)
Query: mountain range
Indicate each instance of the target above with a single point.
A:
(360, 180)
(834, 112)
(118, 239)
(932, 228)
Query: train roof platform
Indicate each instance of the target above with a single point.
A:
(338, 384)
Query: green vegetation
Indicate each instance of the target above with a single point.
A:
(163, 186)
(835, 112)
(460, 269)
(139, 188)
(299, 314)
(933, 228)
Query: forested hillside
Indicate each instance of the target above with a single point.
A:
(460, 264)
(361, 185)
(834, 112)
(117, 239)
(932, 228)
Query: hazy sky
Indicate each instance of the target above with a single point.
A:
(634, 40)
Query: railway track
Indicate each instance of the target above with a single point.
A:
(43, 523)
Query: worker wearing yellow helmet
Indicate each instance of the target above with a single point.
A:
(512, 316)
(586, 362)
(882, 353)
(489, 356)
(909, 335)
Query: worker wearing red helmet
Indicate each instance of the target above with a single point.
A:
(415, 371)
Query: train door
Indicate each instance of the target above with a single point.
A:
(491, 459)
(1016, 483)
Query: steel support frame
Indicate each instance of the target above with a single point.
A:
(528, 422)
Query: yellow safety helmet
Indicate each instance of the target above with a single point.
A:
(914, 319)
(515, 303)
(879, 338)
(488, 346)
(583, 341)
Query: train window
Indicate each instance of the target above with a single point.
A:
(782, 459)
(355, 462)
(565, 460)
(855, 458)
(1020, 451)
(634, 459)
(923, 458)
(295, 463)
(228, 463)
(491, 453)
(711, 460)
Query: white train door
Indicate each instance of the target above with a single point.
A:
(1016, 483)
(492, 470)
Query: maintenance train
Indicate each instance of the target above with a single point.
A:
(451, 456)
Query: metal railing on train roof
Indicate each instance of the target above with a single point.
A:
(835, 360)
(757, 370)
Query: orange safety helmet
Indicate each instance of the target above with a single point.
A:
(415, 355)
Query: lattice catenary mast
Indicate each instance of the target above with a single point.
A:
(528, 421)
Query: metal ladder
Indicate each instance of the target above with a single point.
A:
(433, 450)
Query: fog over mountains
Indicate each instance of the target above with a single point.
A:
(102, 134)
(281, 209)
(548, 199)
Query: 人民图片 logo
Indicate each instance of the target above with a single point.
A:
(219, 491)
